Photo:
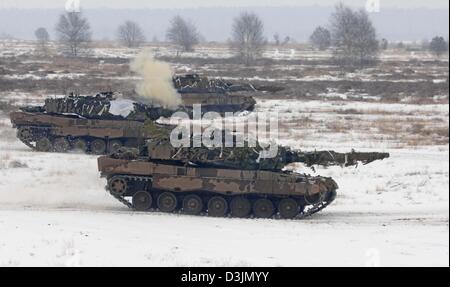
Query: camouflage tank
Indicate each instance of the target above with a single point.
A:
(95, 124)
(100, 124)
(222, 182)
(215, 95)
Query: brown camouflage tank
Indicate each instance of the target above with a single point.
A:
(216, 192)
(102, 123)
(214, 182)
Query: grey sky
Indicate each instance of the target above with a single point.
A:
(216, 3)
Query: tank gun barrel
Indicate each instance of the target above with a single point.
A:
(330, 158)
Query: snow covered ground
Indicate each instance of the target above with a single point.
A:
(54, 211)
(14, 48)
(340, 236)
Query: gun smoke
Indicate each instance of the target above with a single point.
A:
(156, 84)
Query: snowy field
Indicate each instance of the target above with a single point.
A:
(389, 213)
(12, 48)
(54, 209)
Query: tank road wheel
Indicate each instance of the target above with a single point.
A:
(61, 145)
(217, 206)
(25, 134)
(117, 185)
(80, 145)
(313, 199)
(263, 208)
(98, 146)
(192, 204)
(142, 201)
(288, 208)
(43, 144)
(167, 202)
(331, 196)
(240, 207)
(114, 146)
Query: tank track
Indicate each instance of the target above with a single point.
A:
(122, 199)
(308, 211)
(28, 144)
(35, 133)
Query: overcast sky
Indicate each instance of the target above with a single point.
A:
(216, 3)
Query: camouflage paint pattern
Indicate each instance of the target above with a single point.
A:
(184, 179)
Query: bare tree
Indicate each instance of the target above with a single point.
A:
(353, 36)
(320, 38)
(286, 40)
(276, 38)
(248, 37)
(73, 32)
(384, 44)
(438, 46)
(130, 34)
(183, 33)
(42, 38)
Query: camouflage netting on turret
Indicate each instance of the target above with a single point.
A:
(194, 83)
(85, 106)
(247, 157)
(104, 106)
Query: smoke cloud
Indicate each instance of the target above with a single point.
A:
(156, 84)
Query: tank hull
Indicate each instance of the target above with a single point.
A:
(68, 130)
(253, 187)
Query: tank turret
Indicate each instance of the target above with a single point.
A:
(103, 106)
(215, 95)
(194, 83)
(247, 157)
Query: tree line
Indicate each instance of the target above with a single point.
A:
(350, 35)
